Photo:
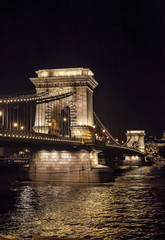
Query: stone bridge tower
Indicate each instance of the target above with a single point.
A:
(135, 139)
(59, 81)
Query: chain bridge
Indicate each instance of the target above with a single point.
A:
(58, 124)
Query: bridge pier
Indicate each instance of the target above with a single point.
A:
(133, 160)
(79, 166)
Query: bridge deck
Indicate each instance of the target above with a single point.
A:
(31, 138)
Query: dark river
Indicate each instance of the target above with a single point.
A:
(133, 207)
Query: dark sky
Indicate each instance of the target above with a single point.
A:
(122, 42)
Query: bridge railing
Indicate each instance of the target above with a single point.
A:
(10, 133)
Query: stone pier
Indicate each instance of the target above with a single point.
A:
(133, 160)
(65, 166)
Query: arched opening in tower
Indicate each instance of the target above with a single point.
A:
(65, 122)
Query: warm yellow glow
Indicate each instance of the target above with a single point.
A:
(122, 141)
(0, 113)
(95, 134)
(132, 132)
(50, 124)
(117, 139)
(103, 130)
(15, 124)
(65, 119)
(22, 127)
(94, 126)
(65, 72)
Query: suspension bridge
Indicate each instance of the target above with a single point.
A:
(58, 123)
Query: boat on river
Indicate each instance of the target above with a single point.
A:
(12, 161)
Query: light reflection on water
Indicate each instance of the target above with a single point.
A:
(133, 207)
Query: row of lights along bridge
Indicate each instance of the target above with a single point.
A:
(17, 127)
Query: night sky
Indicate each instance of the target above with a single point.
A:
(122, 42)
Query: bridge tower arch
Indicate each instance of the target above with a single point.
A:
(135, 139)
(80, 104)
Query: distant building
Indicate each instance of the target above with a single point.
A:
(155, 148)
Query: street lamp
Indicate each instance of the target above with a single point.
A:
(15, 124)
(1, 120)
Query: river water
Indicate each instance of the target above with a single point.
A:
(132, 207)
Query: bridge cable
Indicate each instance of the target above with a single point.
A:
(96, 117)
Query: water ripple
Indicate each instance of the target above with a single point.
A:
(133, 207)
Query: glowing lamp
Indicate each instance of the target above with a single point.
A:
(15, 124)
